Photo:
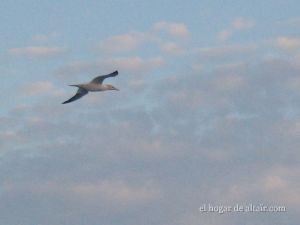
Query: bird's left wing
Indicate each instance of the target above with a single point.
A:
(100, 79)
(80, 92)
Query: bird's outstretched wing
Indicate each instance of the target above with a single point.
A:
(80, 92)
(100, 79)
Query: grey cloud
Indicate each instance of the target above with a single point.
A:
(37, 51)
(225, 51)
(127, 64)
(222, 137)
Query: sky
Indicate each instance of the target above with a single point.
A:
(208, 112)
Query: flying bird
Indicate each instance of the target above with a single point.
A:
(94, 85)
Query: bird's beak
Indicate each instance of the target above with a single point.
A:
(116, 89)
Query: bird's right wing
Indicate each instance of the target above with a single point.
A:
(80, 92)
(100, 79)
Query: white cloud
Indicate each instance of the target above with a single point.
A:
(8, 136)
(136, 63)
(294, 83)
(242, 23)
(137, 84)
(236, 25)
(277, 180)
(229, 50)
(124, 146)
(116, 192)
(124, 42)
(287, 43)
(45, 37)
(293, 22)
(37, 51)
(273, 181)
(174, 29)
(134, 40)
(224, 35)
(128, 64)
(103, 154)
(231, 82)
(41, 88)
(230, 66)
(171, 48)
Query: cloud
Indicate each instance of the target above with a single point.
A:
(174, 29)
(277, 180)
(135, 40)
(229, 82)
(231, 133)
(7, 136)
(225, 35)
(236, 25)
(171, 48)
(272, 182)
(45, 37)
(224, 51)
(294, 83)
(242, 23)
(124, 42)
(116, 192)
(287, 43)
(137, 83)
(37, 51)
(292, 22)
(128, 64)
(41, 88)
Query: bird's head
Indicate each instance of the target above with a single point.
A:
(110, 87)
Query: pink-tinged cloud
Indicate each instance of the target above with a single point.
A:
(230, 82)
(123, 42)
(236, 25)
(292, 22)
(242, 23)
(128, 64)
(287, 43)
(45, 37)
(224, 35)
(111, 192)
(41, 88)
(116, 192)
(171, 48)
(277, 180)
(228, 50)
(37, 51)
(174, 29)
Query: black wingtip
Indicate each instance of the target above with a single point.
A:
(68, 101)
(116, 72)
(65, 102)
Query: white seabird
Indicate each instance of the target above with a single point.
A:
(94, 85)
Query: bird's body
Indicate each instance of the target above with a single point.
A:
(93, 86)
